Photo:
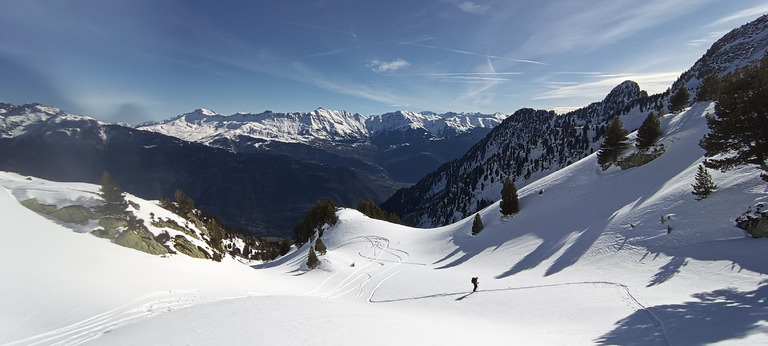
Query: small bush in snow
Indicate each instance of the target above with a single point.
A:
(704, 185)
(320, 246)
(312, 258)
(477, 225)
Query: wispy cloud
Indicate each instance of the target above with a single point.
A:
(707, 40)
(473, 8)
(576, 26)
(388, 66)
(565, 109)
(419, 44)
(741, 15)
(307, 75)
(476, 92)
(461, 74)
(464, 77)
(651, 82)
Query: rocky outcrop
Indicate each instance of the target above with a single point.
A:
(34, 205)
(141, 240)
(755, 221)
(75, 214)
(640, 158)
(186, 247)
(757, 228)
(168, 223)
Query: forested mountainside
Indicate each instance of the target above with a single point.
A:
(527, 145)
(531, 143)
(261, 192)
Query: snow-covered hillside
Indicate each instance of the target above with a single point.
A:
(599, 257)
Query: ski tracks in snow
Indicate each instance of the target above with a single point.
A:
(628, 297)
(380, 259)
(144, 307)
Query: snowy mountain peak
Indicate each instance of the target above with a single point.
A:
(18, 120)
(623, 94)
(322, 124)
(735, 49)
(200, 114)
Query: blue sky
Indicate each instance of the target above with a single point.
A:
(134, 61)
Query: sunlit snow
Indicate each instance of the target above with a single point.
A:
(587, 261)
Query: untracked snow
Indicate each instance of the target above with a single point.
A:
(594, 257)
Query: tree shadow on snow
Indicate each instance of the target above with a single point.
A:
(668, 270)
(545, 250)
(720, 315)
(437, 295)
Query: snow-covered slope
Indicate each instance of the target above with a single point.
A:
(64, 286)
(588, 261)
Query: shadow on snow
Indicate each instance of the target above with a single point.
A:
(724, 314)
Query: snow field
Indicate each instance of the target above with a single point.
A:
(587, 262)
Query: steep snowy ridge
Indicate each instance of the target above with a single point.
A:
(736, 49)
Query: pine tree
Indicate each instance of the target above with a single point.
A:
(679, 100)
(509, 201)
(113, 196)
(185, 203)
(322, 213)
(285, 246)
(614, 144)
(312, 258)
(709, 88)
(649, 132)
(477, 225)
(739, 130)
(704, 185)
(216, 235)
(370, 209)
(320, 246)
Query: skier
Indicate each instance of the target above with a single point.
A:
(475, 282)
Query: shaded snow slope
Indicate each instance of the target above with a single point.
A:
(588, 261)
